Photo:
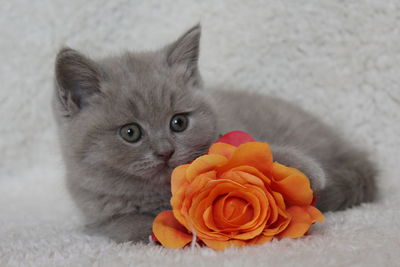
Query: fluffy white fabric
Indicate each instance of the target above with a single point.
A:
(339, 59)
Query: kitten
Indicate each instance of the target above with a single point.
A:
(125, 122)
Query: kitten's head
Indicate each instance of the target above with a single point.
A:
(138, 115)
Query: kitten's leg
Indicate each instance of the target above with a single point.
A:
(345, 180)
(351, 181)
(123, 228)
(294, 158)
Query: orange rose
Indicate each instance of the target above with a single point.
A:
(236, 196)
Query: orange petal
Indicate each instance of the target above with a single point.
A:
(177, 202)
(237, 208)
(279, 200)
(277, 227)
(299, 224)
(281, 171)
(204, 164)
(261, 239)
(254, 154)
(292, 184)
(181, 201)
(251, 213)
(315, 214)
(169, 231)
(248, 218)
(246, 174)
(204, 200)
(178, 178)
(230, 210)
(220, 245)
(222, 149)
(209, 219)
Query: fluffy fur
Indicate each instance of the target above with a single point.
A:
(121, 186)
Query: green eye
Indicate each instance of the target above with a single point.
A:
(131, 132)
(179, 123)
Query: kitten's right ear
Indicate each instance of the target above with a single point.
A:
(184, 54)
(77, 78)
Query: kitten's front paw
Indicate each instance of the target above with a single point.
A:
(123, 228)
(296, 159)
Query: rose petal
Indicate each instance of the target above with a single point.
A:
(255, 154)
(281, 171)
(182, 199)
(292, 184)
(222, 149)
(203, 201)
(204, 164)
(247, 216)
(178, 178)
(278, 226)
(279, 200)
(236, 208)
(209, 219)
(236, 138)
(315, 214)
(226, 229)
(232, 210)
(300, 222)
(246, 174)
(169, 232)
(177, 202)
(273, 210)
(260, 239)
(261, 206)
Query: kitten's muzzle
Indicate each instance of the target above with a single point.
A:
(165, 155)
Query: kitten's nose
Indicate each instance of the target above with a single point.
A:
(165, 154)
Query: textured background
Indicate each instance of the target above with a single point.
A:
(339, 59)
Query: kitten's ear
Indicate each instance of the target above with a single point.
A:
(184, 53)
(77, 78)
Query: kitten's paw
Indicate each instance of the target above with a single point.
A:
(123, 228)
(296, 159)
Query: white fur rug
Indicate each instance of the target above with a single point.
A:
(340, 59)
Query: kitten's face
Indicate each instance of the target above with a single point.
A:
(146, 115)
(146, 126)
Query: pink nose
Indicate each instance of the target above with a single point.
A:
(165, 155)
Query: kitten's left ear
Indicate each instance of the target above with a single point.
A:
(77, 79)
(184, 54)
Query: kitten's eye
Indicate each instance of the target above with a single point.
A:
(130, 132)
(179, 123)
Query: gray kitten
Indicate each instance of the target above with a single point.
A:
(125, 122)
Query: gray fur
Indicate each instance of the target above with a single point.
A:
(120, 186)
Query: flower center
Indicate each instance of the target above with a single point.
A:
(234, 210)
(234, 207)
